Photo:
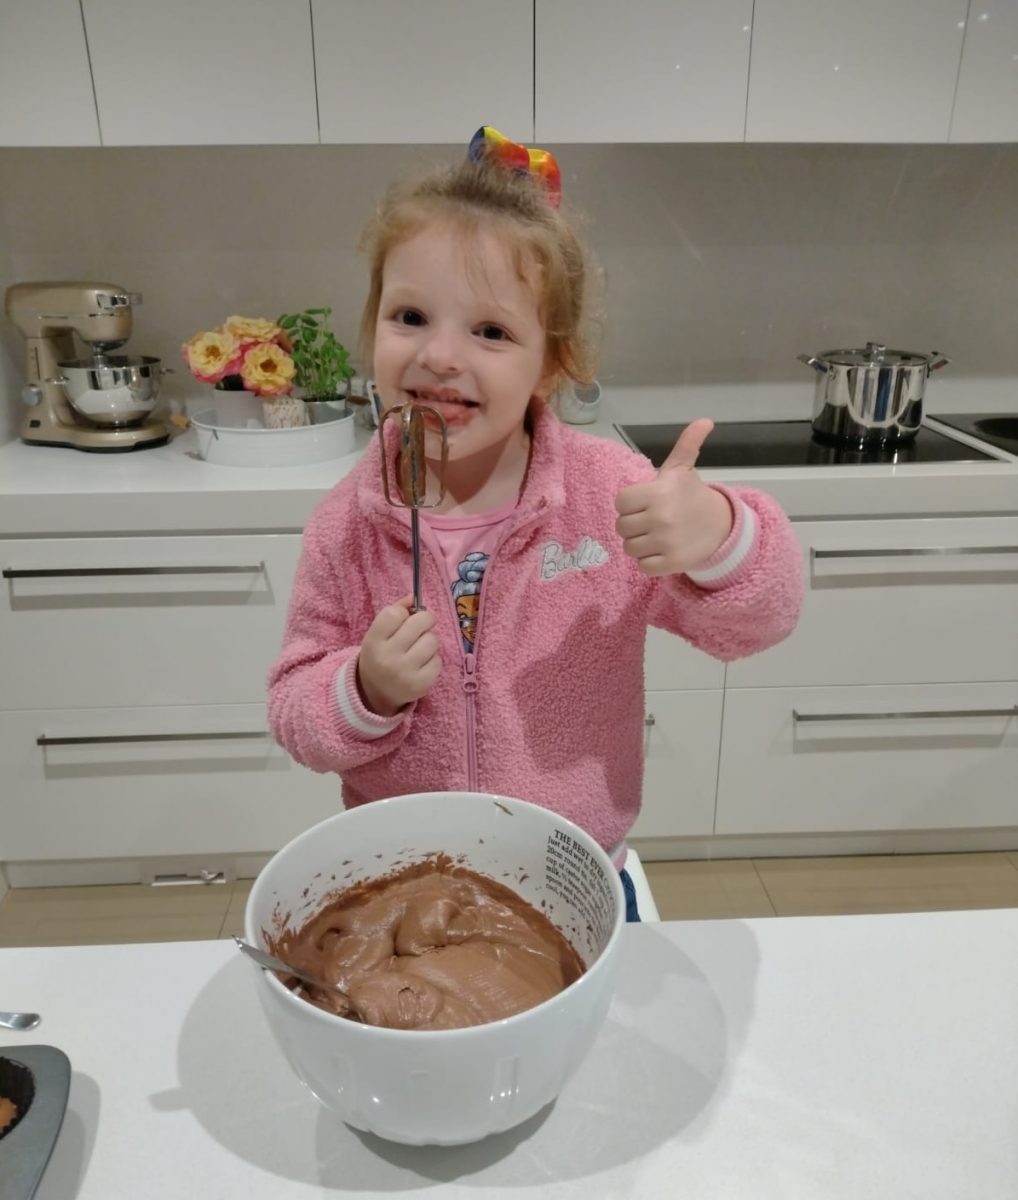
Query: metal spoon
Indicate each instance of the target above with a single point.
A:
(276, 964)
(16, 1020)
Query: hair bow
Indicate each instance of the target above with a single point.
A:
(488, 143)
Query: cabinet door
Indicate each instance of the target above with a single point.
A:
(112, 783)
(899, 601)
(681, 762)
(190, 73)
(46, 96)
(645, 71)
(430, 71)
(986, 104)
(869, 71)
(827, 760)
(109, 622)
(671, 663)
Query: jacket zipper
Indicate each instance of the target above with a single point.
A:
(469, 659)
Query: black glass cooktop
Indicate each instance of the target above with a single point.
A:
(791, 444)
(998, 429)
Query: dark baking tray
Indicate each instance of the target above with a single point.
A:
(26, 1148)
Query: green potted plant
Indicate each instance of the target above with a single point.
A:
(322, 362)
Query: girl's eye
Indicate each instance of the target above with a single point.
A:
(493, 333)
(409, 316)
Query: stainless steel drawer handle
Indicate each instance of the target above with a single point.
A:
(91, 572)
(917, 715)
(126, 738)
(911, 551)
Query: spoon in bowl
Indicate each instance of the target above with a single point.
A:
(276, 964)
(19, 1020)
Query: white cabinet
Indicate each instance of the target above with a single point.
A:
(671, 663)
(869, 71)
(681, 762)
(899, 601)
(831, 760)
(645, 71)
(986, 104)
(428, 71)
(46, 94)
(190, 73)
(136, 782)
(108, 622)
(682, 738)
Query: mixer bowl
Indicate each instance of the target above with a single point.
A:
(448, 1086)
(119, 389)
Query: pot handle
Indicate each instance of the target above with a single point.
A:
(810, 361)
(940, 360)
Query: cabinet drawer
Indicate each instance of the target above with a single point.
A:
(671, 663)
(905, 601)
(818, 760)
(90, 622)
(681, 764)
(107, 783)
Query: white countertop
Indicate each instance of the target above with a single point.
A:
(46, 490)
(773, 1059)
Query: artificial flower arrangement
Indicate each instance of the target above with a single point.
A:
(271, 358)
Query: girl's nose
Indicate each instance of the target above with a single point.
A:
(441, 352)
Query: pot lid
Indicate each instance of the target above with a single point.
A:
(875, 355)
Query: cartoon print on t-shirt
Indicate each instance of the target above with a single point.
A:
(466, 591)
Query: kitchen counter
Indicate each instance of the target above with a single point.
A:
(833, 1057)
(45, 491)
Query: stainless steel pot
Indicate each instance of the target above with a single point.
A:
(869, 396)
(118, 389)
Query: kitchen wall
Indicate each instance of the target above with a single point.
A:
(721, 262)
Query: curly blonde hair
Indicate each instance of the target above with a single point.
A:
(516, 208)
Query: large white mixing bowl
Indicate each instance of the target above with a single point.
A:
(445, 1086)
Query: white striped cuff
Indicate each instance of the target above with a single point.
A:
(729, 557)
(368, 724)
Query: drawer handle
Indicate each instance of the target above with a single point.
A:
(911, 551)
(649, 721)
(917, 715)
(118, 738)
(72, 572)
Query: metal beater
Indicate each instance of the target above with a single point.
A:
(413, 473)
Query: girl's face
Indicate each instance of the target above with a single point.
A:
(460, 331)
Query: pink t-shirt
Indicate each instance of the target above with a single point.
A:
(466, 544)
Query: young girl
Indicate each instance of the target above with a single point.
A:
(548, 557)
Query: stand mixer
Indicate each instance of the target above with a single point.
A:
(100, 403)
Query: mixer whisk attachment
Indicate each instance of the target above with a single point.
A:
(413, 473)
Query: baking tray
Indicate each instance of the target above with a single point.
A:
(41, 1076)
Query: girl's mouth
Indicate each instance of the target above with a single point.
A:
(455, 408)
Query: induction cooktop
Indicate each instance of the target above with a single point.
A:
(998, 429)
(791, 444)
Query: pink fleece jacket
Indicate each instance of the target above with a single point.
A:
(550, 707)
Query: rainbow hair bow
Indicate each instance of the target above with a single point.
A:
(488, 143)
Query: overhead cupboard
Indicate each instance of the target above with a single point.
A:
(263, 72)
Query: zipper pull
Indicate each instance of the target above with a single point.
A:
(469, 667)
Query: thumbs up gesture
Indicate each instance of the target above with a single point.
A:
(675, 522)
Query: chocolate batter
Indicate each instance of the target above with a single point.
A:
(432, 946)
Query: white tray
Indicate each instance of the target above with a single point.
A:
(233, 435)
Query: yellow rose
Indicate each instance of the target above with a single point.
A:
(251, 329)
(267, 370)
(210, 356)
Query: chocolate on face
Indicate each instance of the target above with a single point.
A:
(432, 946)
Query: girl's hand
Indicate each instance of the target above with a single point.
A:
(398, 660)
(676, 522)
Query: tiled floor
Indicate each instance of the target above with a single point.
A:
(682, 890)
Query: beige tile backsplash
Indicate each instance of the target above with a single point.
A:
(721, 263)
